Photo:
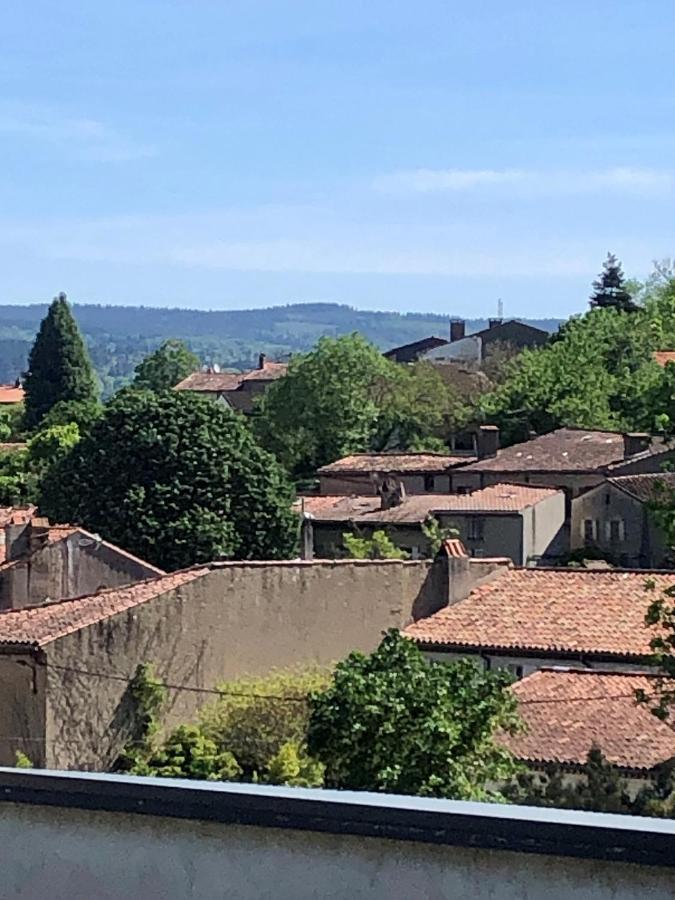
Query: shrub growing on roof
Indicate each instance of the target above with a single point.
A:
(175, 479)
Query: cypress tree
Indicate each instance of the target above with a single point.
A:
(609, 289)
(59, 368)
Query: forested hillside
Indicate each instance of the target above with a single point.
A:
(120, 336)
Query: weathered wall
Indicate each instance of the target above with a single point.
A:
(502, 534)
(643, 543)
(73, 567)
(543, 529)
(68, 854)
(238, 619)
(363, 484)
(572, 483)
(22, 709)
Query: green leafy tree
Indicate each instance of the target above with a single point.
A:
(59, 367)
(263, 723)
(345, 397)
(378, 546)
(82, 413)
(51, 445)
(610, 289)
(396, 722)
(166, 366)
(188, 753)
(175, 479)
(18, 482)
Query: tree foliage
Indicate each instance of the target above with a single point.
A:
(59, 368)
(598, 373)
(395, 722)
(166, 366)
(345, 397)
(263, 722)
(378, 546)
(175, 479)
(610, 290)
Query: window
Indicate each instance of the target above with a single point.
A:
(476, 529)
(429, 482)
(589, 530)
(514, 669)
(616, 531)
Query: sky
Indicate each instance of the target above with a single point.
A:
(429, 156)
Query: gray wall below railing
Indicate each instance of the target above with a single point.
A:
(296, 845)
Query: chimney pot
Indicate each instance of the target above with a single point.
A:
(635, 442)
(487, 441)
(261, 360)
(457, 330)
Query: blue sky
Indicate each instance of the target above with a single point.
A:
(390, 155)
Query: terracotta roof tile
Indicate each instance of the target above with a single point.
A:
(270, 371)
(566, 712)
(417, 507)
(10, 393)
(663, 357)
(564, 450)
(394, 462)
(646, 488)
(39, 625)
(210, 381)
(550, 611)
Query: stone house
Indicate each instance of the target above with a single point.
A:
(520, 523)
(572, 459)
(615, 519)
(528, 619)
(236, 390)
(419, 473)
(473, 348)
(42, 563)
(567, 712)
(408, 353)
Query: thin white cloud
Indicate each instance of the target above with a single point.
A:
(536, 181)
(78, 137)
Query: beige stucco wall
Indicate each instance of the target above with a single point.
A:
(22, 709)
(73, 567)
(543, 529)
(237, 619)
(68, 854)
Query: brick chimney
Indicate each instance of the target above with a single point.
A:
(457, 330)
(261, 360)
(635, 442)
(487, 441)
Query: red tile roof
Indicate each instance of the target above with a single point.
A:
(551, 612)
(10, 393)
(564, 450)
(394, 462)
(646, 488)
(270, 371)
(40, 625)
(498, 498)
(663, 357)
(565, 713)
(210, 382)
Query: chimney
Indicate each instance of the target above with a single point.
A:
(391, 491)
(492, 323)
(457, 330)
(261, 360)
(635, 442)
(487, 441)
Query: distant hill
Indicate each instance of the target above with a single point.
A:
(119, 336)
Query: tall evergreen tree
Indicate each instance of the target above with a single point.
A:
(59, 368)
(609, 288)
